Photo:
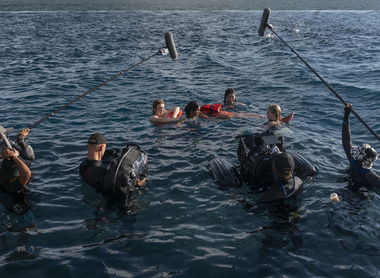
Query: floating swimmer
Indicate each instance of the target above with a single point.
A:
(230, 98)
(215, 110)
(162, 116)
(194, 110)
(274, 116)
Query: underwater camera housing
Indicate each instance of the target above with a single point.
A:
(124, 170)
(254, 154)
(251, 146)
(256, 164)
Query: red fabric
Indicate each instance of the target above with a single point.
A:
(211, 109)
(215, 110)
(170, 115)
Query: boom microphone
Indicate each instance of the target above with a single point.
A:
(264, 24)
(170, 45)
(173, 54)
(264, 21)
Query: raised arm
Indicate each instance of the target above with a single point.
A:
(23, 133)
(287, 118)
(22, 168)
(175, 111)
(26, 151)
(346, 132)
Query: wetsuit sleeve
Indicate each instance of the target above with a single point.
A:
(25, 150)
(14, 186)
(93, 173)
(346, 135)
(373, 179)
(278, 192)
(274, 193)
(22, 143)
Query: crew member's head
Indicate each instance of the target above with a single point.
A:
(274, 112)
(4, 131)
(283, 165)
(230, 96)
(8, 166)
(96, 145)
(364, 155)
(158, 107)
(192, 109)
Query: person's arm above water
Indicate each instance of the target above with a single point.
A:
(175, 112)
(26, 151)
(203, 116)
(158, 120)
(224, 116)
(243, 114)
(24, 171)
(287, 118)
(23, 133)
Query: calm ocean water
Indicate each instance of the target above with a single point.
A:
(182, 225)
(185, 5)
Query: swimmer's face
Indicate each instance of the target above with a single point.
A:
(230, 99)
(270, 115)
(195, 113)
(160, 110)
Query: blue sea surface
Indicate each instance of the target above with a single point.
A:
(181, 224)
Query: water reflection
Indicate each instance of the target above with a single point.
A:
(17, 222)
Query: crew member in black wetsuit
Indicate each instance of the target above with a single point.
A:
(285, 183)
(95, 169)
(14, 170)
(17, 183)
(361, 158)
(92, 170)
